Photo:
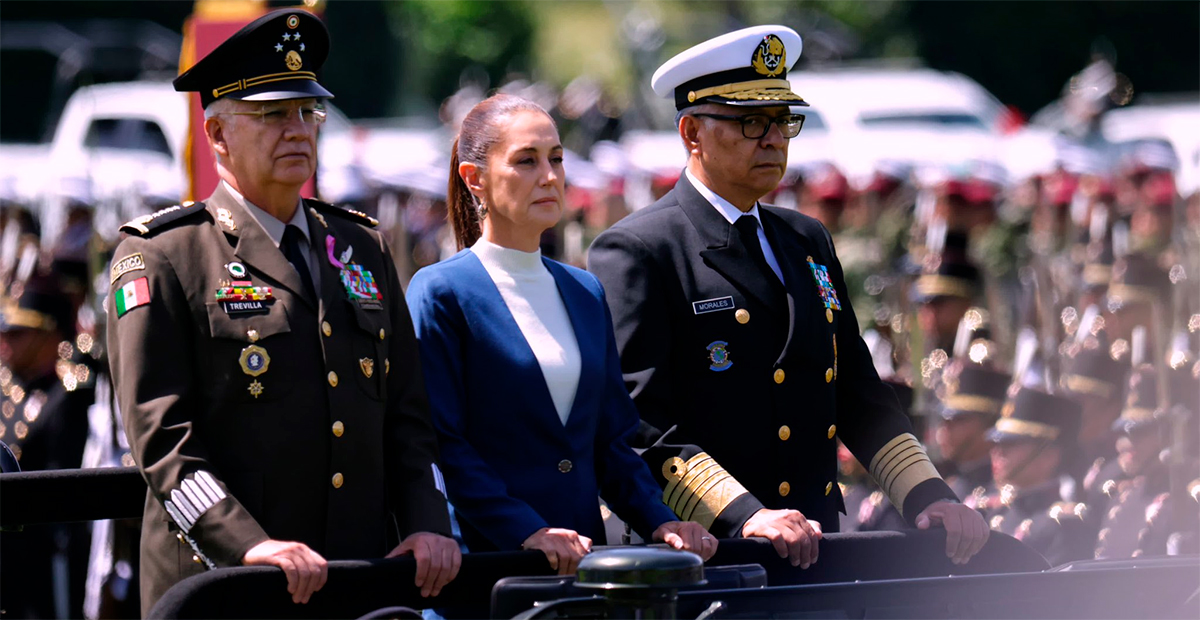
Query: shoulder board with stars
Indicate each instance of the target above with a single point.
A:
(357, 217)
(146, 224)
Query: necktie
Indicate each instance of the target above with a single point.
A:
(747, 227)
(294, 252)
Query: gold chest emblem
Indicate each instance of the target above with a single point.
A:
(368, 366)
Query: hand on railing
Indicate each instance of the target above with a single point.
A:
(794, 536)
(687, 536)
(306, 570)
(438, 560)
(563, 548)
(966, 531)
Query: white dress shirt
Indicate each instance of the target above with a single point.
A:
(732, 213)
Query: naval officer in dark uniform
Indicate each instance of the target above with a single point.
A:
(737, 339)
(253, 340)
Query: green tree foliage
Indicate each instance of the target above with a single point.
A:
(446, 41)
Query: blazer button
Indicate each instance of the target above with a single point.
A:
(326, 329)
(829, 315)
(828, 487)
(742, 316)
(832, 430)
(196, 559)
(333, 378)
(828, 375)
(381, 333)
(252, 335)
(779, 375)
(784, 432)
(338, 479)
(338, 428)
(564, 466)
(784, 489)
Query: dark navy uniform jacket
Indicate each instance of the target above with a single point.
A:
(742, 383)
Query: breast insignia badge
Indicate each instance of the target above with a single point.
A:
(718, 354)
(254, 360)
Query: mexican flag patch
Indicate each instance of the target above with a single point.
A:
(132, 295)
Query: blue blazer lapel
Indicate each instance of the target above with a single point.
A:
(589, 323)
(481, 284)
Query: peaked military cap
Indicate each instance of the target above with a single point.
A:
(1141, 405)
(973, 389)
(747, 67)
(1137, 278)
(1090, 368)
(38, 303)
(1033, 414)
(273, 58)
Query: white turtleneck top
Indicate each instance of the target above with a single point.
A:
(532, 297)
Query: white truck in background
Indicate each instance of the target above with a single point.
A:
(118, 147)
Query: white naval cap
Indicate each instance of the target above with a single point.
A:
(747, 67)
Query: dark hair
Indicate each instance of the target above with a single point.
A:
(480, 131)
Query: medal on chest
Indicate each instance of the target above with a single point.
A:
(358, 282)
(828, 294)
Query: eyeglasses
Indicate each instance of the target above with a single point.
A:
(755, 126)
(280, 115)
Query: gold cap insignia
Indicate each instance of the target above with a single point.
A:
(770, 58)
(293, 21)
(293, 60)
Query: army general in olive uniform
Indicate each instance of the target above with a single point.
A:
(262, 351)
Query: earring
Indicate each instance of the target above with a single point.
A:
(482, 209)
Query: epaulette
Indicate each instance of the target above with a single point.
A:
(142, 226)
(1068, 510)
(357, 217)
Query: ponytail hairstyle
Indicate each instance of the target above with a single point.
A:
(481, 129)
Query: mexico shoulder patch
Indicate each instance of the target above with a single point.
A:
(132, 295)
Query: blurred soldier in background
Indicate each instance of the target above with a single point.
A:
(1143, 478)
(44, 404)
(1034, 441)
(1096, 380)
(971, 406)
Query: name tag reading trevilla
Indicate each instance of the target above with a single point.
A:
(712, 305)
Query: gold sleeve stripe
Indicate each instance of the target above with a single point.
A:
(899, 466)
(699, 489)
(693, 477)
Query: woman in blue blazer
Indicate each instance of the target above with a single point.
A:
(520, 361)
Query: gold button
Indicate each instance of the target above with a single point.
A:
(828, 375)
(742, 316)
(784, 432)
(326, 328)
(829, 315)
(196, 559)
(832, 430)
(338, 479)
(179, 537)
(338, 428)
(779, 375)
(784, 489)
(333, 378)
(252, 335)
(381, 334)
(828, 487)
(387, 366)
(564, 466)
